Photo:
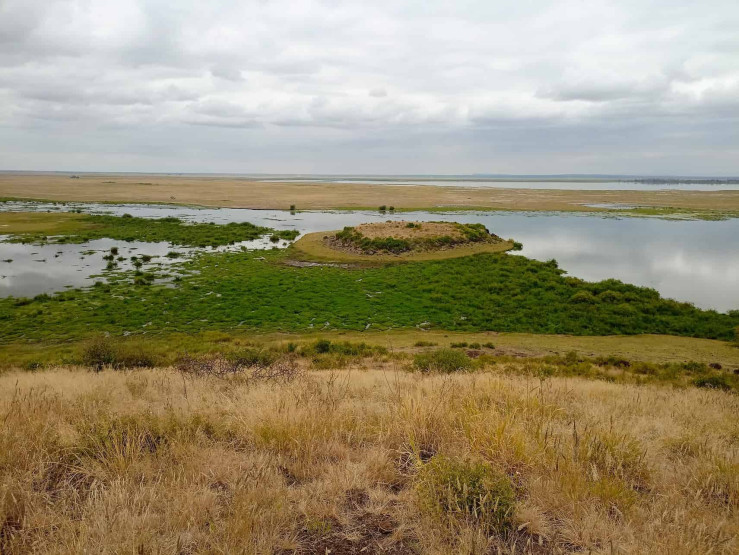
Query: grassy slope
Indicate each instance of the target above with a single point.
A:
(335, 461)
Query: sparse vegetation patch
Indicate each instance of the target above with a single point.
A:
(81, 228)
(401, 237)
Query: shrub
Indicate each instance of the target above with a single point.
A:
(251, 357)
(713, 382)
(133, 356)
(488, 345)
(457, 490)
(517, 246)
(322, 346)
(583, 297)
(442, 360)
(98, 352)
(459, 345)
(101, 351)
(382, 208)
(425, 344)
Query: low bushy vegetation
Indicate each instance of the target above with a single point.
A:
(485, 292)
(469, 233)
(457, 491)
(445, 361)
(100, 352)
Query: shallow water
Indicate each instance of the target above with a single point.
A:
(693, 261)
(29, 270)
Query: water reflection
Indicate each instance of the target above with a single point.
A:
(29, 270)
(694, 261)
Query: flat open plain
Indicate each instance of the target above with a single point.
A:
(251, 193)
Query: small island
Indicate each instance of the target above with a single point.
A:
(402, 241)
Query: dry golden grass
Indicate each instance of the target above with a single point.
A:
(150, 461)
(400, 230)
(247, 193)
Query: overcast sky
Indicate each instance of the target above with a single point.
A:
(381, 86)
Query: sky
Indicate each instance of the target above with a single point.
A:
(647, 87)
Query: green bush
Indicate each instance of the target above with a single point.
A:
(425, 344)
(583, 297)
(98, 352)
(445, 361)
(713, 382)
(101, 351)
(253, 357)
(322, 346)
(456, 490)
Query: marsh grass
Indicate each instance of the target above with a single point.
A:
(84, 228)
(232, 291)
(156, 461)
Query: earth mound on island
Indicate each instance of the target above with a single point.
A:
(402, 240)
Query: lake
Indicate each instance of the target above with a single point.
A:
(693, 261)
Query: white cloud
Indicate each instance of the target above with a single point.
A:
(471, 78)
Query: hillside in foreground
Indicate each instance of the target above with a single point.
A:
(371, 458)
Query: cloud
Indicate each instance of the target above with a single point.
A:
(568, 83)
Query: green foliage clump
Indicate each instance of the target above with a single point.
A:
(445, 361)
(583, 297)
(470, 233)
(251, 357)
(713, 382)
(425, 344)
(457, 490)
(101, 351)
(346, 348)
(351, 237)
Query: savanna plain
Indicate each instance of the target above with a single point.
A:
(408, 387)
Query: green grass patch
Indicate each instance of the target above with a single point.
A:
(445, 361)
(456, 490)
(242, 291)
(87, 227)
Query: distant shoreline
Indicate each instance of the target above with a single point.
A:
(215, 191)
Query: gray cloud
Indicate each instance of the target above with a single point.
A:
(278, 86)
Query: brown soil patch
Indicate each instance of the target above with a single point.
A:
(400, 230)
